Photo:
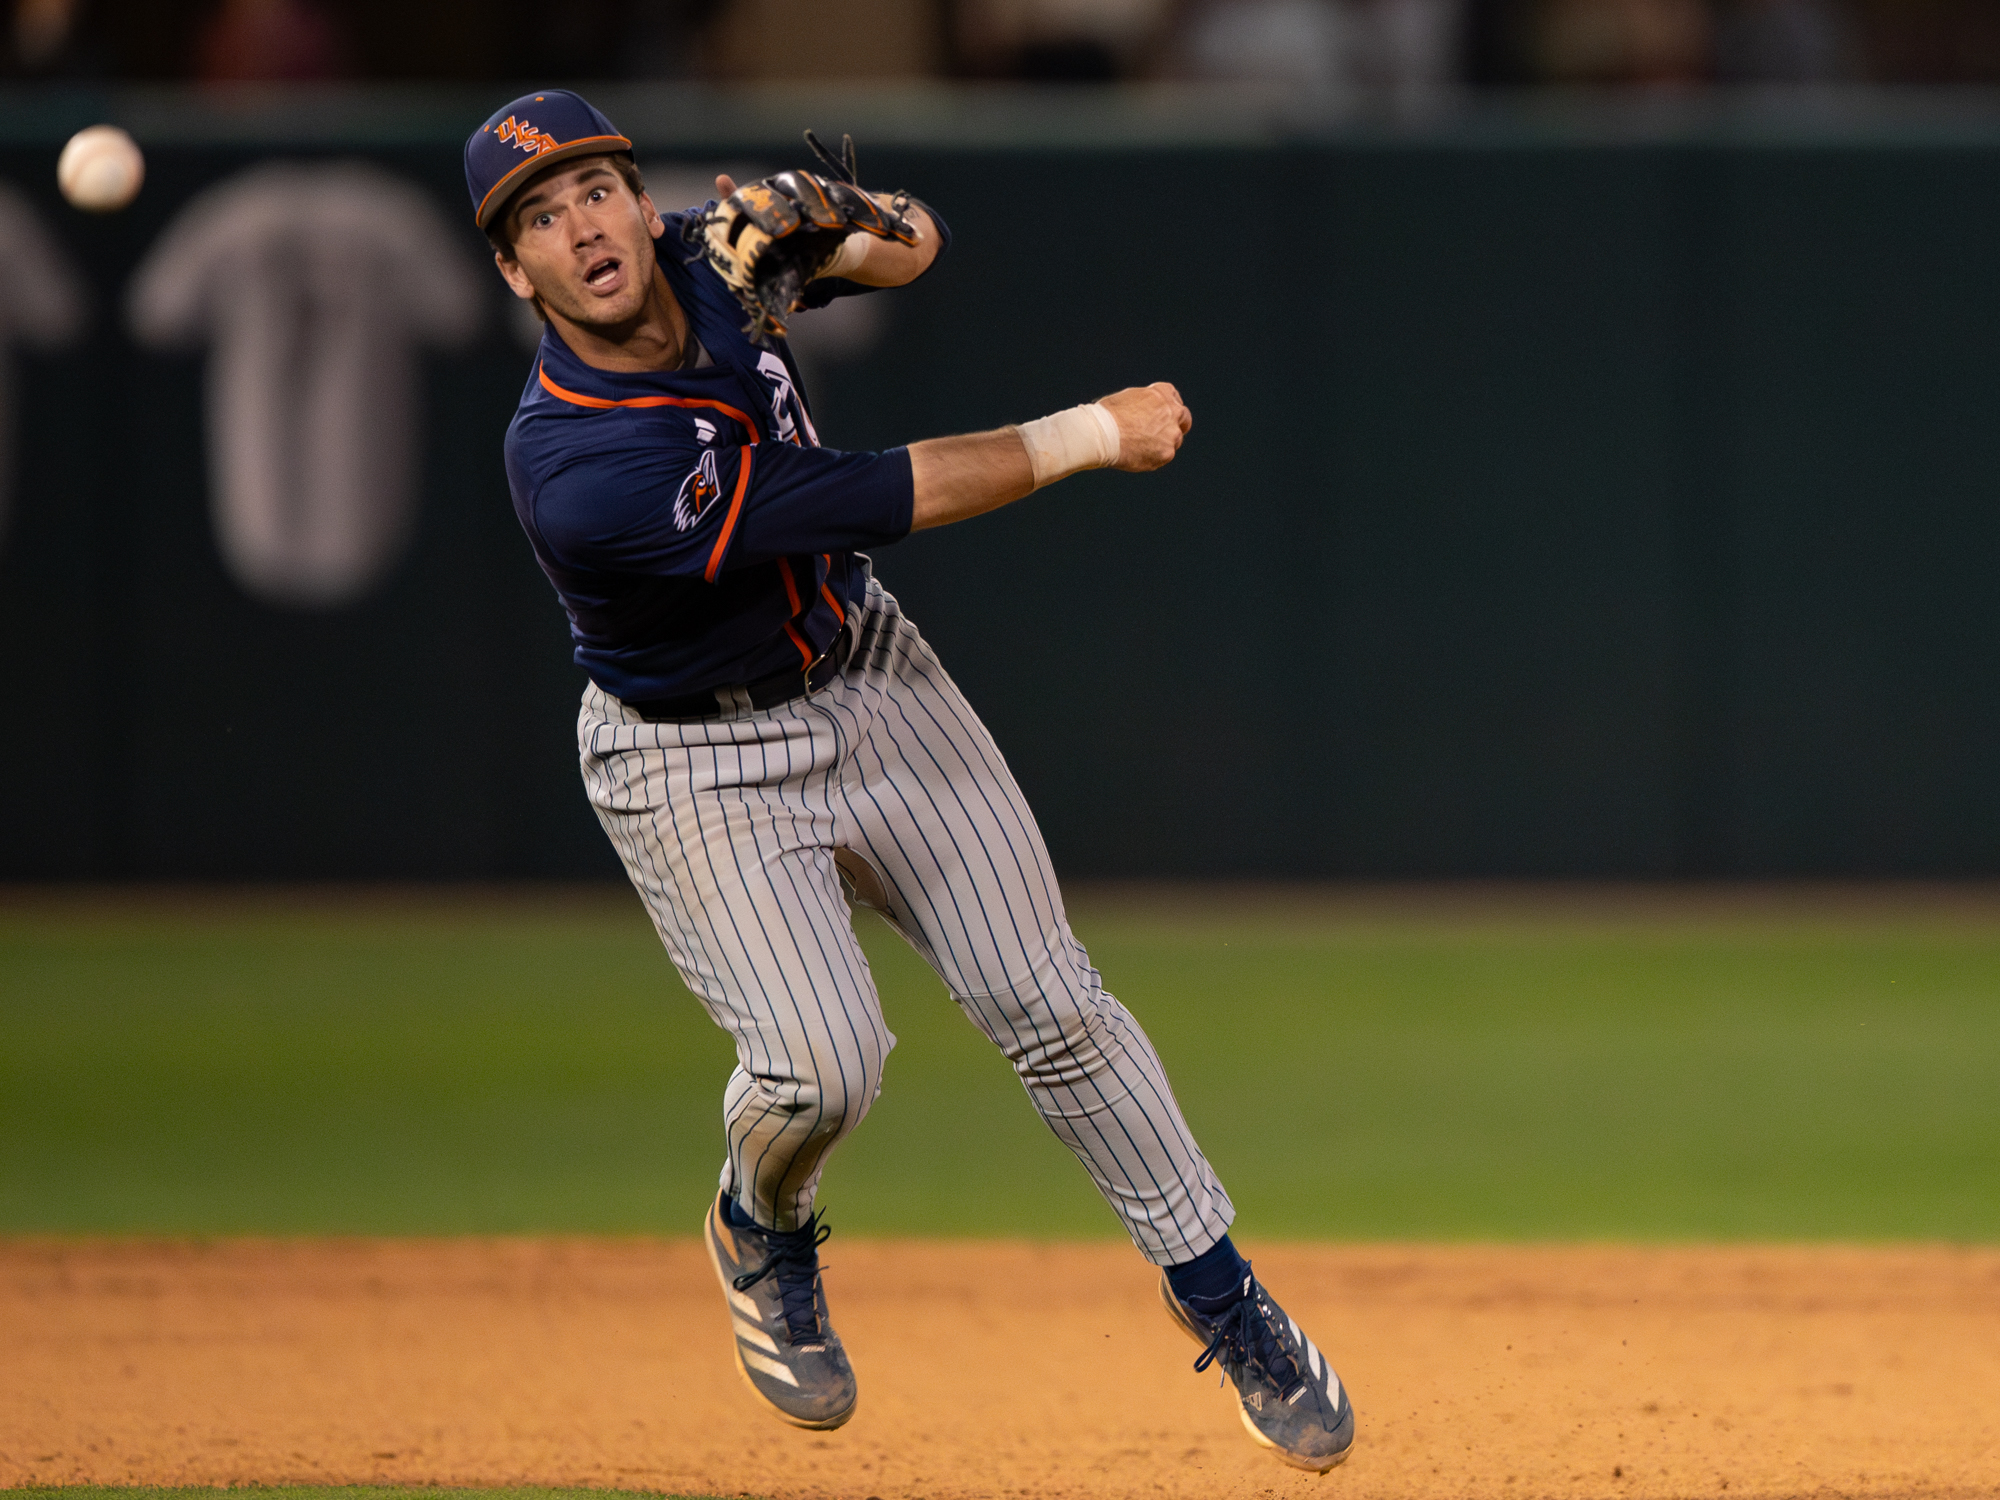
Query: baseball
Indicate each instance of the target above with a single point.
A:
(100, 169)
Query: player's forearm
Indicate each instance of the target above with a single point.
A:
(1137, 430)
(889, 262)
(959, 477)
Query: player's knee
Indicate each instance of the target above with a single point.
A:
(839, 1093)
(1065, 1050)
(861, 1078)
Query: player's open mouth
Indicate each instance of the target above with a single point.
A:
(603, 275)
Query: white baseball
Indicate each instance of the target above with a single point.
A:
(100, 169)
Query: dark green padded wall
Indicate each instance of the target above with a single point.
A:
(1556, 506)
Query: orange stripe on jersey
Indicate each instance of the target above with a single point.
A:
(791, 586)
(827, 593)
(601, 403)
(805, 651)
(743, 457)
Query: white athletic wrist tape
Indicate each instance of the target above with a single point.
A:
(853, 250)
(1084, 437)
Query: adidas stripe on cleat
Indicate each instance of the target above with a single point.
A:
(786, 1349)
(1288, 1396)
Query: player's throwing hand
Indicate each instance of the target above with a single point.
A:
(1152, 421)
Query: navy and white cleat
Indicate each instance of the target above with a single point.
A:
(786, 1348)
(1289, 1397)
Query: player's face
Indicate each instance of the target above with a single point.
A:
(583, 243)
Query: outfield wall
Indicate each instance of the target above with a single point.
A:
(1573, 492)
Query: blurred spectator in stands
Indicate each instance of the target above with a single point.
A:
(1621, 41)
(664, 38)
(1419, 45)
(264, 41)
(1325, 49)
(1495, 43)
(1782, 41)
(43, 31)
(54, 39)
(1067, 41)
(824, 39)
(1321, 49)
(1313, 46)
(652, 39)
(1930, 41)
(1733, 41)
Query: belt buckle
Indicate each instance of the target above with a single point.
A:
(832, 650)
(816, 664)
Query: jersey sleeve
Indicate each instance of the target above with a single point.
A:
(820, 500)
(681, 511)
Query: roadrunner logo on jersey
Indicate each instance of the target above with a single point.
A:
(524, 136)
(700, 487)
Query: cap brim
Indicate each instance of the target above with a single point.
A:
(495, 201)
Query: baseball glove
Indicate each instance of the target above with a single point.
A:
(768, 239)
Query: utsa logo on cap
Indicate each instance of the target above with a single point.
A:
(522, 133)
(535, 131)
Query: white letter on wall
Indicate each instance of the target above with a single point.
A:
(315, 284)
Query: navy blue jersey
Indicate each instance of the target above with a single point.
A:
(697, 533)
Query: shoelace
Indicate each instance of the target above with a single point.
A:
(793, 1259)
(1245, 1336)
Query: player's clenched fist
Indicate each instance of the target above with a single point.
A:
(1152, 421)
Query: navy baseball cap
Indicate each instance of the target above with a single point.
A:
(532, 132)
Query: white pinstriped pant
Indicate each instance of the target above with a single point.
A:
(731, 829)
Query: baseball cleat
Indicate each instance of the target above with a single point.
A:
(1288, 1396)
(786, 1348)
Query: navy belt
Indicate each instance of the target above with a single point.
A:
(765, 692)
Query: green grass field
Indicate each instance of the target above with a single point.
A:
(1518, 1067)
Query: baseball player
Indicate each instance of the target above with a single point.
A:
(763, 726)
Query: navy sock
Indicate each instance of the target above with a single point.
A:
(736, 1217)
(1212, 1280)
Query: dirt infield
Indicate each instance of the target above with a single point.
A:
(1000, 1370)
